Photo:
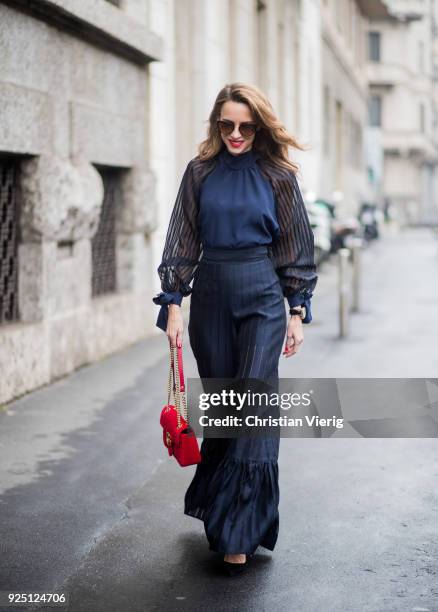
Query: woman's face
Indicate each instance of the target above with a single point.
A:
(237, 112)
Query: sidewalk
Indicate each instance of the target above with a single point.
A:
(91, 502)
(395, 334)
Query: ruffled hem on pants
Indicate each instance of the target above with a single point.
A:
(237, 500)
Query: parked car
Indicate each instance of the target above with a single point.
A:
(320, 220)
(341, 229)
(331, 207)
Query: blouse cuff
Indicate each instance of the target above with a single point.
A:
(299, 300)
(164, 299)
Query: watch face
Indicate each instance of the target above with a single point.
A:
(304, 312)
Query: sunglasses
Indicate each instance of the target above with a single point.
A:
(246, 129)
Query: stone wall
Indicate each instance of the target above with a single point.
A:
(73, 97)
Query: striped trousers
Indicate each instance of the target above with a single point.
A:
(236, 329)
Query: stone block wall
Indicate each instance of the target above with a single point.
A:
(73, 98)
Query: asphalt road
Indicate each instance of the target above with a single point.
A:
(91, 504)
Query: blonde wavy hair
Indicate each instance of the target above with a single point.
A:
(271, 140)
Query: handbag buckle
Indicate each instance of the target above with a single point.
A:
(168, 439)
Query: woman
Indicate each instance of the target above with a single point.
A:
(239, 229)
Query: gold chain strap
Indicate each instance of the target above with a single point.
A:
(169, 385)
(180, 396)
(182, 403)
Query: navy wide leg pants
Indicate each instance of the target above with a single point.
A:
(236, 329)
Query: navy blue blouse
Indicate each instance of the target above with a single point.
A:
(236, 209)
(237, 206)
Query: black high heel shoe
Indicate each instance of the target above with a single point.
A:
(235, 569)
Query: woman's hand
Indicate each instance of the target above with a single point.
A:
(295, 336)
(175, 326)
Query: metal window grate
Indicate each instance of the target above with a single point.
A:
(8, 241)
(104, 242)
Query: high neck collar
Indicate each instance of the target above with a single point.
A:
(240, 160)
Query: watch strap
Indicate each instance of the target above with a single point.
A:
(297, 311)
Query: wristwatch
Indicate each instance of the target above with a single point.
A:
(298, 310)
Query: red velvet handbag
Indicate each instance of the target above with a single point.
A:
(178, 436)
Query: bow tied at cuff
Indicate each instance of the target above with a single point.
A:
(164, 299)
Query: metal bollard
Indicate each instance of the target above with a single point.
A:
(356, 250)
(343, 256)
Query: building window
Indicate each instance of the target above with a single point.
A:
(375, 111)
(374, 46)
(347, 136)
(353, 142)
(327, 119)
(359, 145)
(9, 214)
(421, 66)
(422, 118)
(103, 245)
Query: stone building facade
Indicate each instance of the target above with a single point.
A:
(345, 94)
(403, 76)
(77, 195)
(102, 105)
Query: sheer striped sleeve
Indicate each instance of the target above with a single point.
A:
(293, 251)
(182, 248)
